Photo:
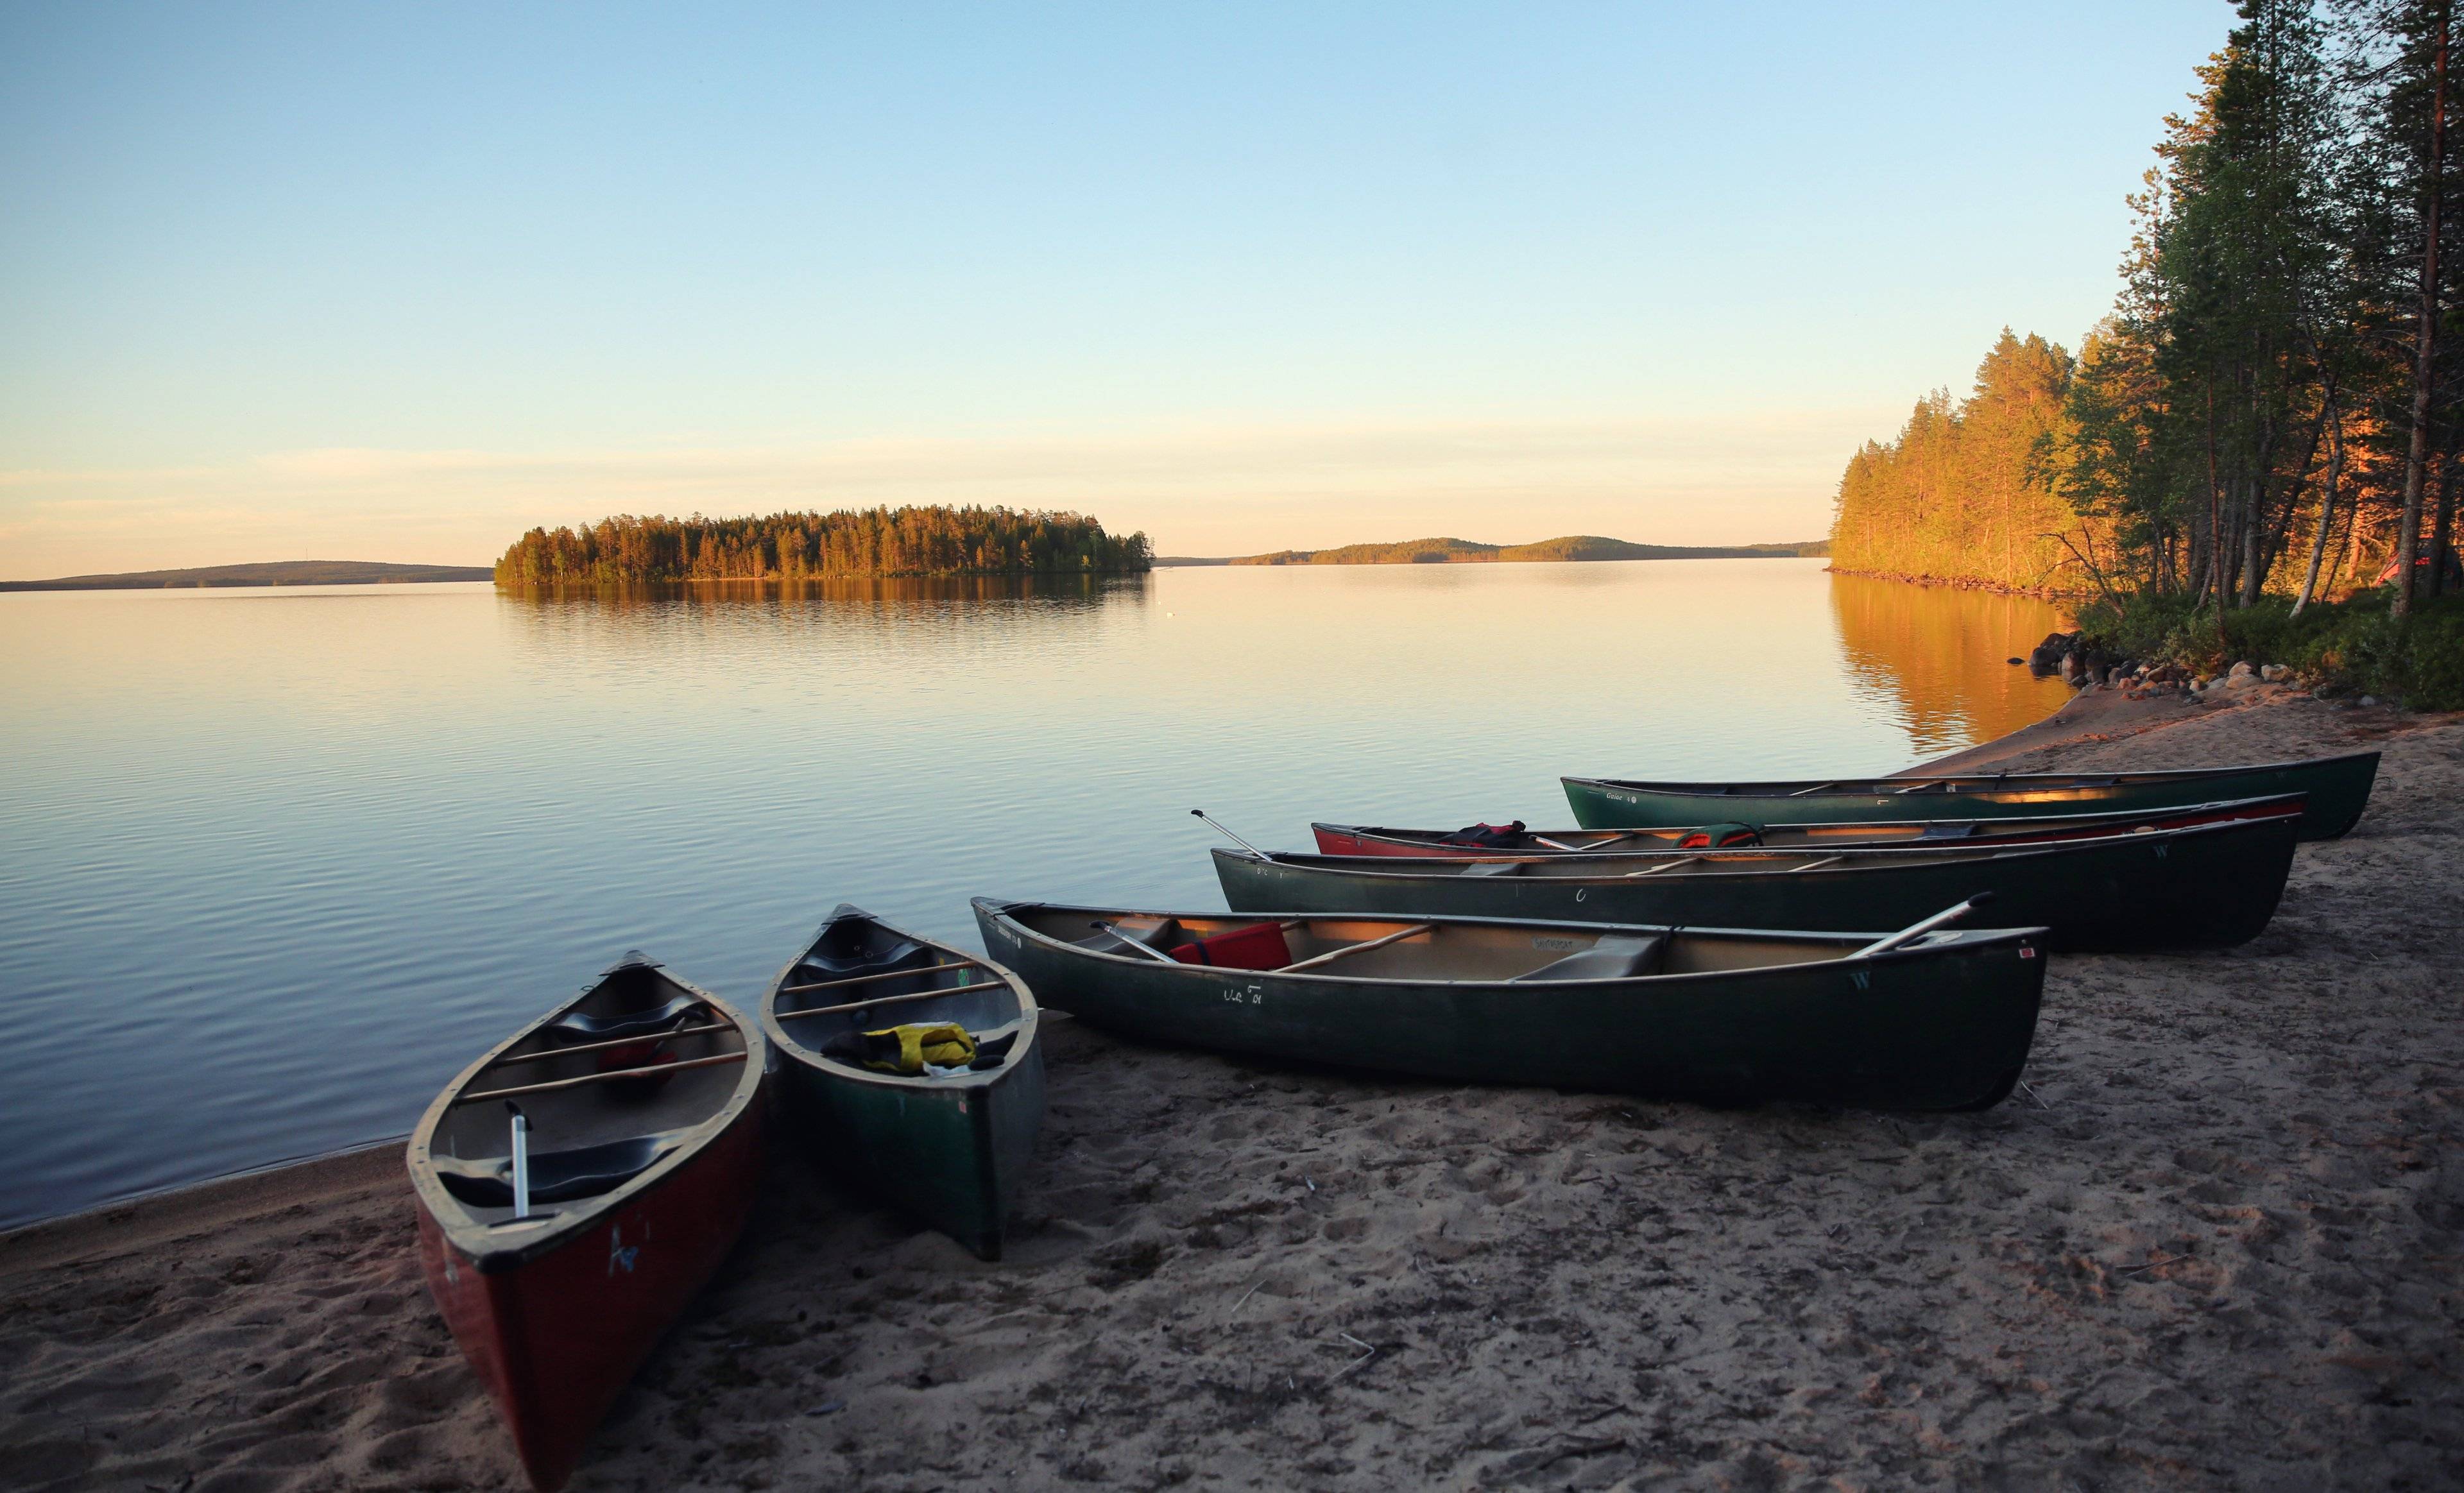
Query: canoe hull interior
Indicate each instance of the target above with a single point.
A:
(2208, 887)
(949, 1150)
(555, 1336)
(1927, 1029)
(2337, 790)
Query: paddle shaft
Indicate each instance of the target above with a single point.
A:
(1225, 833)
(1147, 948)
(1921, 929)
(521, 1149)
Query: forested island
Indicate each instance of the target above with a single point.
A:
(1573, 546)
(803, 546)
(2275, 403)
(277, 572)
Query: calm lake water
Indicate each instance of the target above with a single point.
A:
(276, 864)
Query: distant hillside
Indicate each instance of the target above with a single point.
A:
(1570, 547)
(280, 572)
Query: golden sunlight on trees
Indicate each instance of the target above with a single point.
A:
(2270, 406)
(873, 541)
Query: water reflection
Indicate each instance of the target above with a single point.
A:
(1940, 656)
(928, 590)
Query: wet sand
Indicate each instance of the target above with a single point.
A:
(2217, 1241)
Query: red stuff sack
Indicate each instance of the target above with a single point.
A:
(1720, 837)
(1260, 945)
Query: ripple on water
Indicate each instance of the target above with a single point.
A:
(274, 866)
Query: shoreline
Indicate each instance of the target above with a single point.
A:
(2052, 594)
(2211, 1242)
(2067, 726)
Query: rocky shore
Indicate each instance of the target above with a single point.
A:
(2083, 665)
(2212, 1242)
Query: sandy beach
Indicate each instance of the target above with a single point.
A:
(2217, 1242)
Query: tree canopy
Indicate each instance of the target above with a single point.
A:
(2274, 401)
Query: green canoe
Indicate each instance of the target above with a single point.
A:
(2339, 788)
(946, 1148)
(1941, 1022)
(2204, 886)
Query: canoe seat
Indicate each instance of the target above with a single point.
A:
(1615, 958)
(556, 1175)
(577, 1027)
(1494, 869)
(902, 954)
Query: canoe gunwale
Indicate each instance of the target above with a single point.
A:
(1426, 845)
(812, 1058)
(494, 1248)
(1973, 938)
(1850, 787)
(1858, 858)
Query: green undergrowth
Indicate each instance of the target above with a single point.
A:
(2354, 645)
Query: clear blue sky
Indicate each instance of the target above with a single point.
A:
(398, 281)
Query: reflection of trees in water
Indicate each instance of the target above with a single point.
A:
(919, 609)
(1938, 655)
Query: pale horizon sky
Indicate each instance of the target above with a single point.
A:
(400, 283)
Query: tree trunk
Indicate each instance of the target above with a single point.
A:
(2438, 527)
(2417, 449)
(2214, 571)
(2335, 424)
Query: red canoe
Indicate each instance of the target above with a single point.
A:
(1514, 839)
(641, 1130)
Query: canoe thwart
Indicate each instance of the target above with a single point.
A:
(877, 975)
(545, 1053)
(888, 1001)
(647, 1070)
(1332, 955)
